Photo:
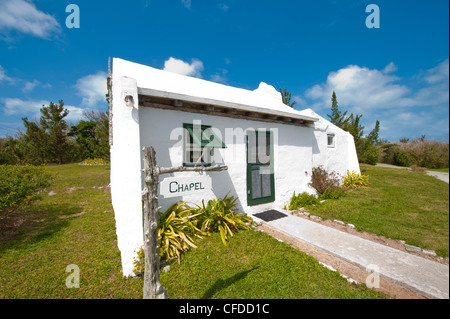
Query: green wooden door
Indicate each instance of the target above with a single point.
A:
(260, 173)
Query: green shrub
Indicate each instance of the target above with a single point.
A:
(433, 154)
(323, 181)
(21, 184)
(332, 193)
(419, 151)
(401, 158)
(302, 200)
(355, 180)
(387, 153)
(179, 225)
(369, 155)
(218, 215)
(176, 230)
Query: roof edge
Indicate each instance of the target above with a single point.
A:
(231, 105)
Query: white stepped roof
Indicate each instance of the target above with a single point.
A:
(160, 83)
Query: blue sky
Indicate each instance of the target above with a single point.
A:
(398, 73)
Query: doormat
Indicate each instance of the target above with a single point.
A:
(270, 215)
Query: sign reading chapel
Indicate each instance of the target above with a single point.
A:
(180, 186)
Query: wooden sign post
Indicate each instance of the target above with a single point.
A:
(152, 287)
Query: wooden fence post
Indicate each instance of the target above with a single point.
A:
(152, 287)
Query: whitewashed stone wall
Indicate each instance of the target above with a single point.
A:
(296, 151)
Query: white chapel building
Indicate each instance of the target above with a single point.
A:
(268, 147)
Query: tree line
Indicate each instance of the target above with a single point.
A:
(52, 140)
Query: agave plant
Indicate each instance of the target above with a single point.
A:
(179, 225)
(176, 230)
(355, 180)
(219, 215)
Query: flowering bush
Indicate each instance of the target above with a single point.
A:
(324, 182)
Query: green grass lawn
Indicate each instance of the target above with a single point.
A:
(400, 204)
(255, 265)
(445, 170)
(76, 226)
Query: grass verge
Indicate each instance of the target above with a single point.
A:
(255, 265)
(445, 170)
(75, 225)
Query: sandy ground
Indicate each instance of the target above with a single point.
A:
(351, 271)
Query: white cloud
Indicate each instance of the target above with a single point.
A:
(220, 77)
(28, 86)
(438, 73)
(300, 102)
(363, 89)
(224, 7)
(31, 108)
(435, 92)
(179, 66)
(92, 88)
(14, 106)
(3, 76)
(379, 94)
(391, 67)
(75, 113)
(187, 3)
(396, 125)
(23, 16)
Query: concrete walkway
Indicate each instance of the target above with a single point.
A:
(426, 277)
(443, 176)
